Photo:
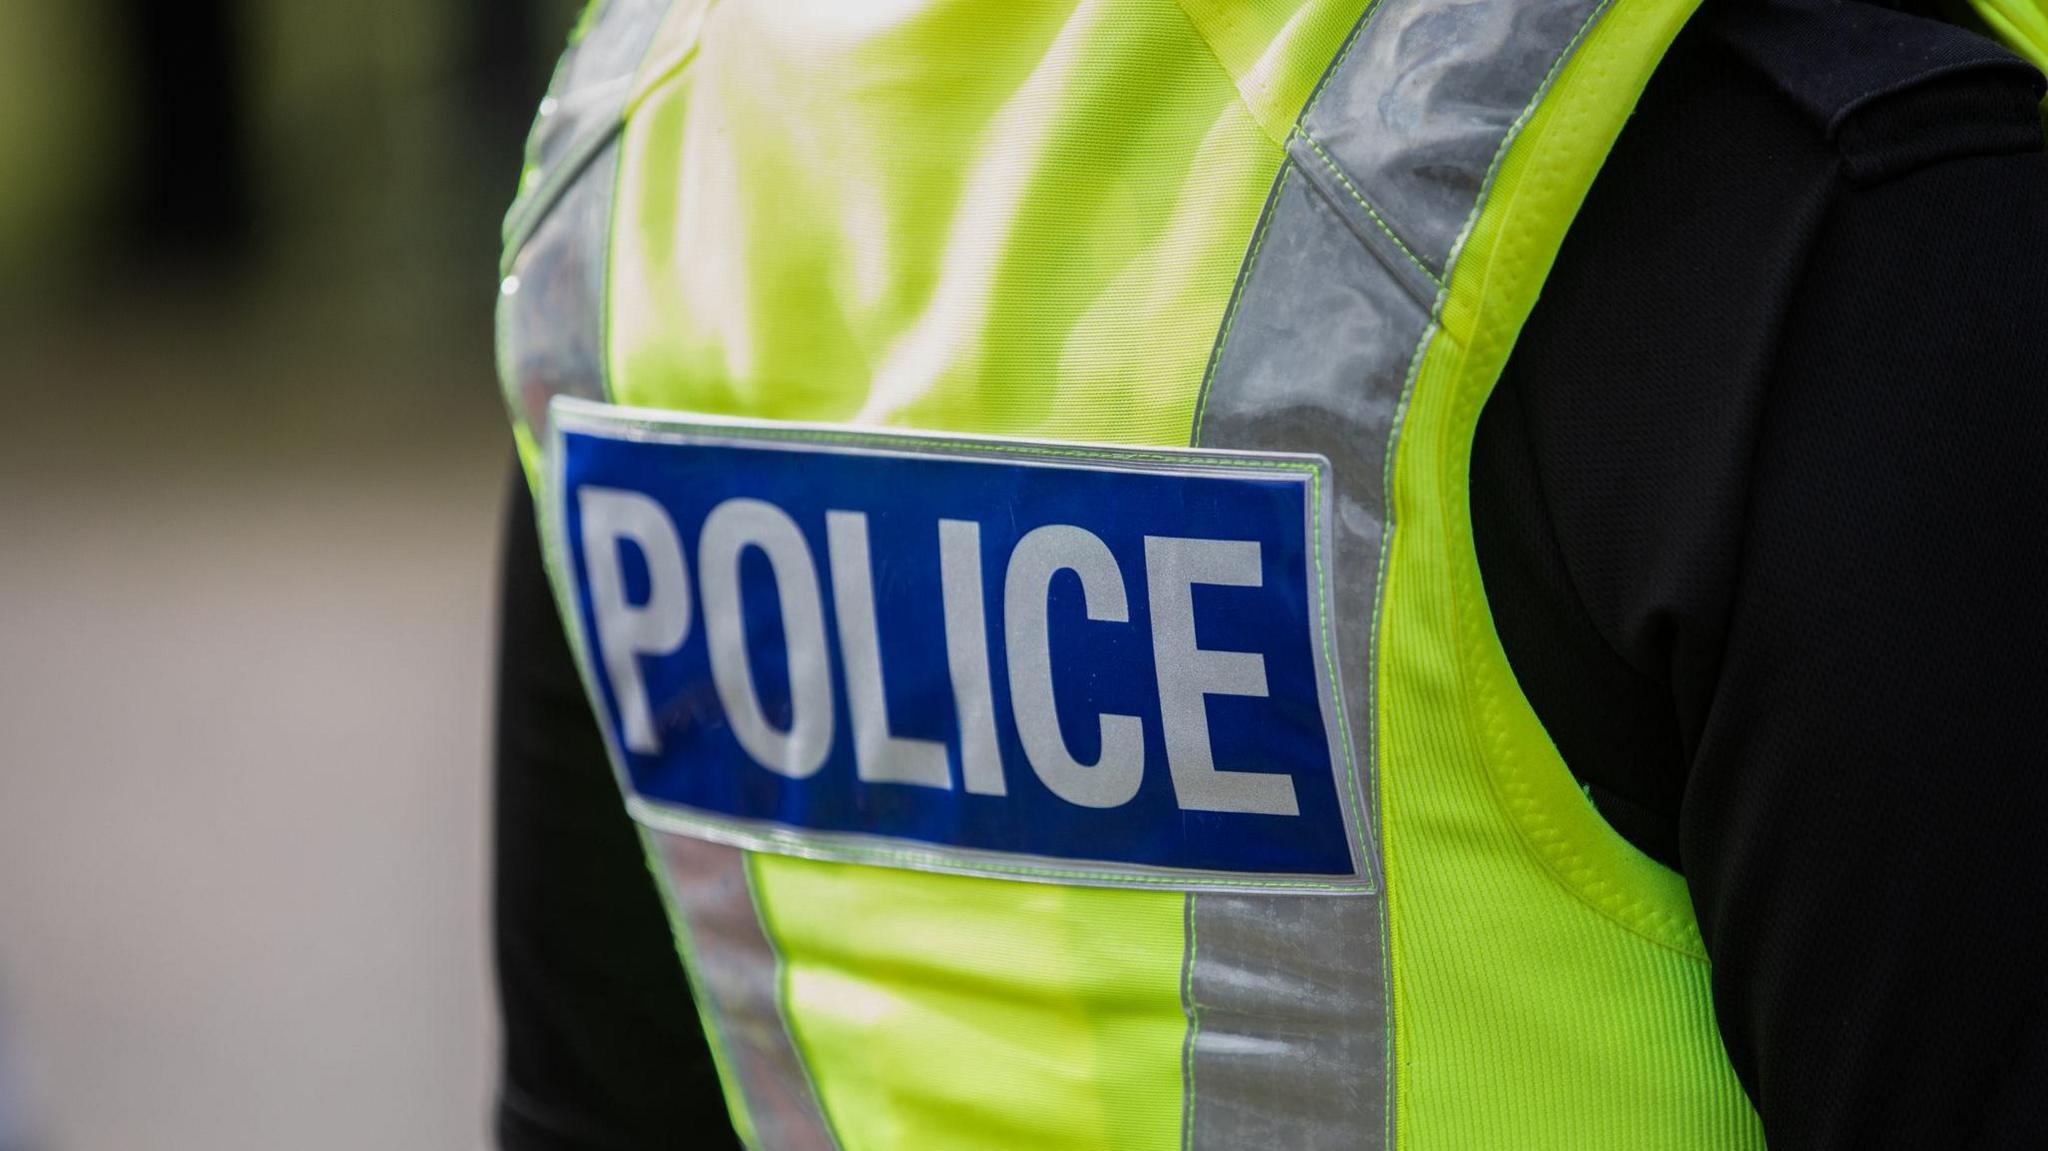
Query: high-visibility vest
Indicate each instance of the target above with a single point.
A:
(1162, 307)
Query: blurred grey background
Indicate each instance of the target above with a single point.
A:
(249, 494)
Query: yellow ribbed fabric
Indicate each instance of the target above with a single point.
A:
(1550, 989)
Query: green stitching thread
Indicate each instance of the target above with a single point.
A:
(710, 1013)
(1514, 131)
(1358, 29)
(1372, 641)
(684, 819)
(802, 435)
(749, 875)
(1236, 296)
(1384, 228)
(1194, 1009)
(1323, 596)
(1244, 272)
(1605, 905)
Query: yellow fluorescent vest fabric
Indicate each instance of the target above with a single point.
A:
(1043, 220)
(926, 214)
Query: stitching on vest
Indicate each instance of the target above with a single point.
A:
(1536, 827)
(1301, 131)
(1237, 295)
(1266, 213)
(681, 820)
(583, 149)
(1236, 83)
(940, 862)
(1514, 132)
(1357, 30)
(750, 878)
(1194, 1013)
(808, 435)
(554, 187)
(1358, 196)
(717, 1027)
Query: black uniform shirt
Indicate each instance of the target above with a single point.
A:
(1762, 513)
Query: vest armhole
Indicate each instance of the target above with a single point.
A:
(1500, 265)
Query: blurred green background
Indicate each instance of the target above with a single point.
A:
(252, 475)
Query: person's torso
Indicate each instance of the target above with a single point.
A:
(1293, 242)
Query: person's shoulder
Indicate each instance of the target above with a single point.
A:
(1886, 90)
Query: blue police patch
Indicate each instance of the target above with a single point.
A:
(1081, 664)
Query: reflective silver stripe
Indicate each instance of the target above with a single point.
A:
(1415, 115)
(738, 976)
(582, 110)
(1315, 355)
(550, 326)
(551, 304)
(1289, 1013)
(551, 301)
(1287, 1030)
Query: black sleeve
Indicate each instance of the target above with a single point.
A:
(1865, 825)
(602, 1044)
(1762, 510)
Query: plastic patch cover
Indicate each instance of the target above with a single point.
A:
(1050, 661)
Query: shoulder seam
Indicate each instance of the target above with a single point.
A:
(1832, 58)
(2019, 70)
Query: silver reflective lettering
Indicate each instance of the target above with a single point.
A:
(878, 756)
(626, 632)
(1188, 673)
(1117, 773)
(981, 762)
(730, 529)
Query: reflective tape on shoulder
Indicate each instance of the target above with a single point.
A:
(738, 974)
